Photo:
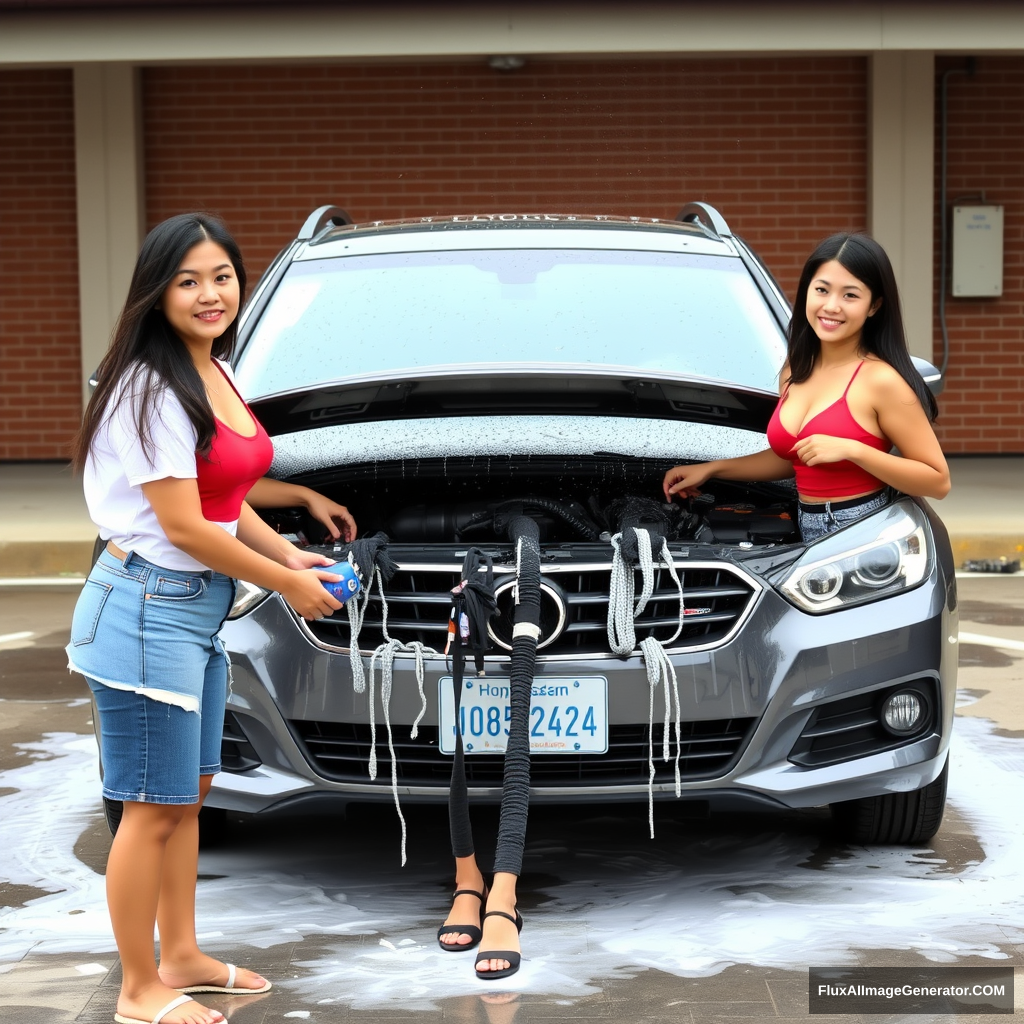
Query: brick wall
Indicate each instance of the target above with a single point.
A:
(982, 409)
(779, 146)
(40, 403)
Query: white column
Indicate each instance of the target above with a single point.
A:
(901, 176)
(109, 177)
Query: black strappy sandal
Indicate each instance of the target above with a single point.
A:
(474, 932)
(513, 957)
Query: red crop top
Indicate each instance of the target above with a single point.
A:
(233, 464)
(829, 479)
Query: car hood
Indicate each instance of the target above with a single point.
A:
(475, 390)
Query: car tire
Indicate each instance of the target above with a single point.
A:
(213, 827)
(896, 818)
(112, 811)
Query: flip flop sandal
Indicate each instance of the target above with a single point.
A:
(473, 931)
(228, 989)
(172, 1005)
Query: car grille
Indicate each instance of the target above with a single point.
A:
(574, 609)
(340, 751)
(851, 727)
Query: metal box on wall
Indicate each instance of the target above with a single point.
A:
(977, 251)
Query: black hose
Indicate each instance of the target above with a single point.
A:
(515, 789)
(571, 514)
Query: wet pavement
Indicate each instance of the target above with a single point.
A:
(715, 919)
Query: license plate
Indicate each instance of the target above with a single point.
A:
(568, 715)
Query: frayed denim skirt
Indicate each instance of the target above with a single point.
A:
(818, 520)
(145, 638)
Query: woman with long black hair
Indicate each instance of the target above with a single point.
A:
(849, 393)
(169, 452)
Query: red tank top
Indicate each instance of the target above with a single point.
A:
(234, 463)
(829, 479)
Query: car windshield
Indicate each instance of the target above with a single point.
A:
(663, 313)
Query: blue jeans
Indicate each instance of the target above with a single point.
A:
(145, 638)
(817, 521)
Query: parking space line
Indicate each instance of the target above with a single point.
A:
(8, 637)
(41, 581)
(991, 641)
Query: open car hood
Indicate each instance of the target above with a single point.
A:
(513, 389)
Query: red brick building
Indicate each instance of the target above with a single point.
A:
(113, 117)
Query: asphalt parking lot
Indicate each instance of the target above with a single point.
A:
(715, 919)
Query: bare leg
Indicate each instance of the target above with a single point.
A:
(134, 872)
(465, 909)
(181, 960)
(500, 933)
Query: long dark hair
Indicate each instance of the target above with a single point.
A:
(883, 335)
(145, 353)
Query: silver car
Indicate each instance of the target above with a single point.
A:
(431, 373)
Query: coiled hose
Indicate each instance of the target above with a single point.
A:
(500, 515)
(515, 787)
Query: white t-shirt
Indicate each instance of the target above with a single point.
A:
(117, 466)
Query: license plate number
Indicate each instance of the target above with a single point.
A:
(568, 715)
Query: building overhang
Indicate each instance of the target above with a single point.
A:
(44, 33)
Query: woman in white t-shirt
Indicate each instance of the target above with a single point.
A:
(170, 453)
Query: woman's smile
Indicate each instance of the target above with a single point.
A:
(838, 305)
(203, 298)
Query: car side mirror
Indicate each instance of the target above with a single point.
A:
(931, 374)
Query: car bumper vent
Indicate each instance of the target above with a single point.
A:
(237, 754)
(852, 727)
(340, 751)
(574, 609)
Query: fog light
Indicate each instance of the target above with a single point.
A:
(902, 712)
(822, 583)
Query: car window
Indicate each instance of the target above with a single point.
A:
(661, 312)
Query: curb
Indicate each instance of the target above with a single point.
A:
(986, 546)
(45, 558)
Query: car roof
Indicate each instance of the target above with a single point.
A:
(510, 230)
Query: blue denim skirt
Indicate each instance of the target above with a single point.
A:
(819, 520)
(145, 638)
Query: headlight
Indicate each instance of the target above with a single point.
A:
(885, 553)
(247, 596)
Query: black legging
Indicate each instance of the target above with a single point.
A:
(458, 793)
(475, 600)
(515, 789)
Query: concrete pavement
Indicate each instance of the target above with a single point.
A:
(716, 920)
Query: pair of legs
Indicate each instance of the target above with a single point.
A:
(145, 638)
(498, 932)
(151, 879)
(501, 922)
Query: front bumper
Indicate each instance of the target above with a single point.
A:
(780, 667)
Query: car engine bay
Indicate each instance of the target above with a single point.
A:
(573, 499)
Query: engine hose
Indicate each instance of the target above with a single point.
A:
(515, 788)
(508, 510)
